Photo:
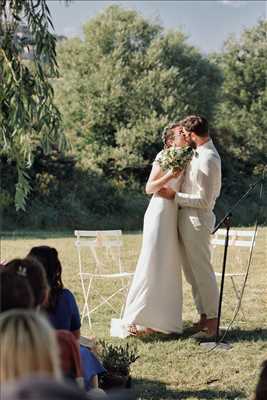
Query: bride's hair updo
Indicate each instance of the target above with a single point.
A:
(168, 134)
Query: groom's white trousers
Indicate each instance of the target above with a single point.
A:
(194, 242)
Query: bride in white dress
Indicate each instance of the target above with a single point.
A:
(154, 301)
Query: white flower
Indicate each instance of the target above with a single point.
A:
(175, 158)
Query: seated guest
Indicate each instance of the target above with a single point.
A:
(70, 356)
(24, 285)
(15, 290)
(61, 306)
(63, 311)
(34, 272)
(261, 388)
(28, 346)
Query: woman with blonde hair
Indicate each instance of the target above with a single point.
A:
(28, 346)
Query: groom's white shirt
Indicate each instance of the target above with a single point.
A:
(201, 185)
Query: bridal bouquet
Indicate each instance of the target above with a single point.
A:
(175, 158)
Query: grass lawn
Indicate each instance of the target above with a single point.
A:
(178, 368)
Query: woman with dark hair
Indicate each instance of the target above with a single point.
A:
(63, 311)
(15, 290)
(61, 305)
(35, 274)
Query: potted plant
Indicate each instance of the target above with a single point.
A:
(117, 360)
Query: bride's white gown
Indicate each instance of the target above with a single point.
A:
(155, 296)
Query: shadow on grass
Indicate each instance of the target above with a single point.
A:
(250, 335)
(233, 336)
(148, 390)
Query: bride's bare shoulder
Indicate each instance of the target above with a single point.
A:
(158, 156)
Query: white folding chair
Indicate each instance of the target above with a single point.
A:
(240, 245)
(99, 255)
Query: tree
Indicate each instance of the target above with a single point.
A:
(242, 110)
(241, 117)
(28, 116)
(122, 84)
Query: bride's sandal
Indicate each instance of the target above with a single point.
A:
(132, 330)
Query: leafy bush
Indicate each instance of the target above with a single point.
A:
(117, 359)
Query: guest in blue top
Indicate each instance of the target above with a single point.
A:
(66, 314)
(61, 306)
(63, 311)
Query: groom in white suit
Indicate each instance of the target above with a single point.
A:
(199, 191)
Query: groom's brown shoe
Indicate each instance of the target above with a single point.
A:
(208, 329)
(211, 325)
(201, 324)
(204, 335)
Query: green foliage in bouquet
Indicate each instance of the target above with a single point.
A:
(175, 158)
(118, 359)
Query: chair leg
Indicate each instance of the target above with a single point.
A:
(88, 309)
(84, 297)
(106, 300)
(86, 306)
(237, 293)
(88, 314)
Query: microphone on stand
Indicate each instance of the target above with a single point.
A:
(226, 221)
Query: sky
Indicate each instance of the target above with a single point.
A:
(207, 24)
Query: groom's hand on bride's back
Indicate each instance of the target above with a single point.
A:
(167, 193)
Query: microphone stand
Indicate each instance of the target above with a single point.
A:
(226, 221)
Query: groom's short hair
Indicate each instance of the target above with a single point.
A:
(197, 124)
